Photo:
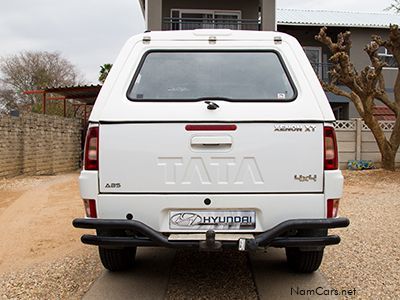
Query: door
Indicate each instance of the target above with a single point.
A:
(235, 156)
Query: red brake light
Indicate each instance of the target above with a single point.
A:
(330, 149)
(217, 127)
(332, 209)
(92, 149)
(90, 208)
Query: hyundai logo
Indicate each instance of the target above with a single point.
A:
(186, 219)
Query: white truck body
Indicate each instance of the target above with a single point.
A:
(269, 166)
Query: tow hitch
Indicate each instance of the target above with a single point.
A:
(210, 244)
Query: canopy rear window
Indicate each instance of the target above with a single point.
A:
(202, 75)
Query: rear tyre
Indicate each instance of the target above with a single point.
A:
(304, 261)
(117, 259)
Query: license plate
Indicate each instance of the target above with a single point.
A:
(216, 220)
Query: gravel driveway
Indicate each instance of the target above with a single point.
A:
(41, 256)
(368, 258)
(45, 264)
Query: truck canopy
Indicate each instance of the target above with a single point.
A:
(247, 59)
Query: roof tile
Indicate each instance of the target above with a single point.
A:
(336, 18)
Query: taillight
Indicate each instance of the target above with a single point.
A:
(92, 149)
(330, 149)
(90, 208)
(332, 208)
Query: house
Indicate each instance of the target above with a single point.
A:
(302, 24)
(305, 24)
(191, 14)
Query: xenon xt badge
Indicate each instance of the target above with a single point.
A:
(295, 128)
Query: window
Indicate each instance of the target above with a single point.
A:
(341, 111)
(188, 19)
(387, 57)
(314, 55)
(197, 75)
(226, 20)
(338, 112)
(196, 20)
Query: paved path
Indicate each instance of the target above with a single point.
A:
(150, 278)
(274, 280)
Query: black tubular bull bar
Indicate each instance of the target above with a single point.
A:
(274, 237)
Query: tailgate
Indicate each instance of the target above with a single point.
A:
(243, 158)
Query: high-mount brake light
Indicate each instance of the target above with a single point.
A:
(92, 149)
(330, 149)
(204, 127)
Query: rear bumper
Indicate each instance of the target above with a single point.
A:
(274, 237)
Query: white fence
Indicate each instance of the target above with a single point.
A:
(355, 141)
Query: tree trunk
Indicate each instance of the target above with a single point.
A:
(388, 160)
(388, 154)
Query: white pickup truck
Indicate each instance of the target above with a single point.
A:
(211, 139)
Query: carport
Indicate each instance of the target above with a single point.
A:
(81, 97)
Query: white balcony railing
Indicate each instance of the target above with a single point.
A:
(215, 23)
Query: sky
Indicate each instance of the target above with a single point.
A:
(90, 33)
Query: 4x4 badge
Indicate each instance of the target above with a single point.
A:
(308, 178)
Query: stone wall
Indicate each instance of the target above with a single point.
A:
(35, 144)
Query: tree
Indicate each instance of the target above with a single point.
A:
(367, 86)
(7, 100)
(32, 70)
(104, 70)
(394, 6)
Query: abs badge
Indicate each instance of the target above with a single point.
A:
(112, 186)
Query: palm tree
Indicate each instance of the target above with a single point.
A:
(104, 70)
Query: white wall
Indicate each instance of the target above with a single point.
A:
(355, 142)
